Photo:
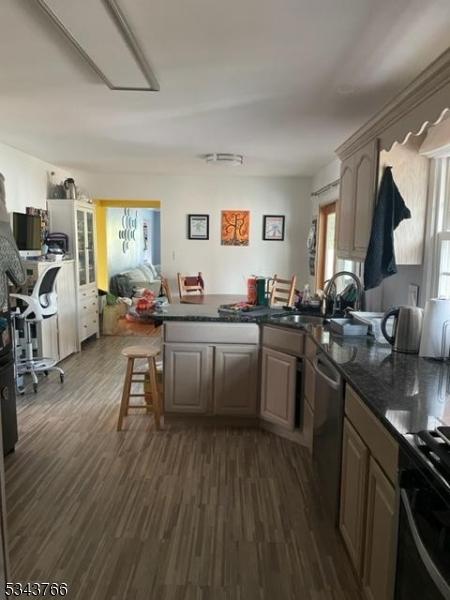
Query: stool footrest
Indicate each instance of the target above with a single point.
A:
(149, 379)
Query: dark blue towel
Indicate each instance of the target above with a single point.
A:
(389, 212)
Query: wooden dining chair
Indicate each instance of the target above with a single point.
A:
(190, 284)
(165, 288)
(282, 291)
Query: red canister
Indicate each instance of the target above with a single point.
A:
(252, 294)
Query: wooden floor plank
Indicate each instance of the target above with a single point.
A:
(189, 512)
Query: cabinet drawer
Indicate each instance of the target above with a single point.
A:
(310, 348)
(380, 443)
(88, 304)
(310, 382)
(88, 324)
(285, 340)
(211, 333)
(87, 292)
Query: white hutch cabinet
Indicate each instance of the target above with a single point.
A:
(76, 218)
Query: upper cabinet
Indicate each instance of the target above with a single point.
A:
(411, 171)
(392, 137)
(344, 234)
(357, 201)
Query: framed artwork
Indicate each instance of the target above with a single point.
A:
(198, 227)
(128, 232)
(273, 228)
(235, 227)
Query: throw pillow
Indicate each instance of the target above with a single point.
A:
(150, 275)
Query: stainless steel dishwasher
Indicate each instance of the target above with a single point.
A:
(327, 431)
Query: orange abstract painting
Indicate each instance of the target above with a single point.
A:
(235, 227)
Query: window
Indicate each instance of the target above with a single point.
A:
(326, 247)
(440, 234)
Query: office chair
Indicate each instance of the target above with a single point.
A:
(40, 305)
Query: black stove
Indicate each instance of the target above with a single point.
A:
(423, 561)
(435, 453)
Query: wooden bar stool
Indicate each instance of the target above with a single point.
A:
(152, 399)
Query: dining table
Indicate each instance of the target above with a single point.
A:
(213, 299)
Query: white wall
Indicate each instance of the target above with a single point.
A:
(118, 260)
(26, 179)
(225, 268)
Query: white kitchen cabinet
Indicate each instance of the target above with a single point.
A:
(368, 506)
(211, 368)
(235, 379)
(57, 337)
(356, 201)
(278, 381)
(366, 165)
(411, 173)
(344, 231)
(355, 461)
(76, 218)
(379, 560)
(187, 377)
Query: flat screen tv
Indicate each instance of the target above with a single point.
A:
(27, 233)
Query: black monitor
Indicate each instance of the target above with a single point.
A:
(27, 233)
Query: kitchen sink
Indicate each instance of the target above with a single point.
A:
(300, 319)
(347, 327)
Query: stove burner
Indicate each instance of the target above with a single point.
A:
(435, 449)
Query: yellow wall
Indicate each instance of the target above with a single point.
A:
(101, 204)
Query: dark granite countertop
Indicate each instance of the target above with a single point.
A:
(407, 393)
(208, 312)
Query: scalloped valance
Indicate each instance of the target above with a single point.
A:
(423, 102)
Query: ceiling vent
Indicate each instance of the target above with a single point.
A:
(102, 36)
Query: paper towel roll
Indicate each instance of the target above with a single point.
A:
(437, 312)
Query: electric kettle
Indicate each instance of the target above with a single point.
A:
(407, 329)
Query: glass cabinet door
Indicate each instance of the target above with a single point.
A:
(90, 246)
(81, 243)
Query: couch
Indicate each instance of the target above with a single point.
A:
(130, 283)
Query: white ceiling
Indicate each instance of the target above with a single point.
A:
(266, 78)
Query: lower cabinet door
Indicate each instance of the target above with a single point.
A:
(187, 377)
(380, 553)
(235, 379)
(355, 464)
(278, 379)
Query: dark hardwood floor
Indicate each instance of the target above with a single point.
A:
(189, 512)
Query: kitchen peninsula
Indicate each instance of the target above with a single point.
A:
(263, 369)
(405, 392)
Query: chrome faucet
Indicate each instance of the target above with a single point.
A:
(331, 283)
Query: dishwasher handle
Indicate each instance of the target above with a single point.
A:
(335, 380)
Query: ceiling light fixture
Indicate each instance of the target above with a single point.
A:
(224, 158)
(101, 34)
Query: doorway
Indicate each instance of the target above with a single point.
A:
(128, 231)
